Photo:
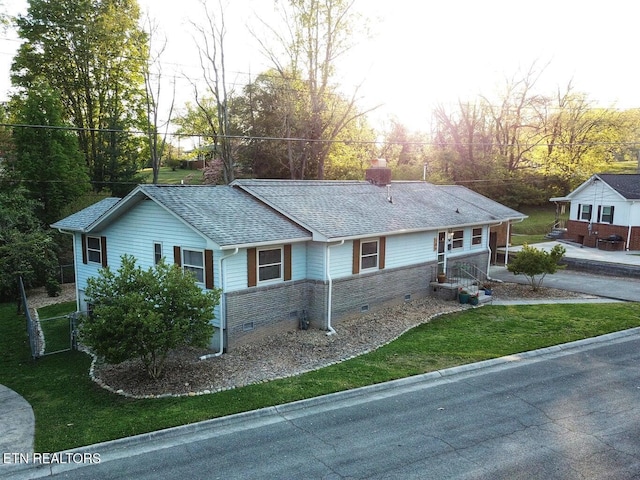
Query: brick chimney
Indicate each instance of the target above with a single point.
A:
(378, 173)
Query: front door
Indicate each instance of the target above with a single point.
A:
(442, 252)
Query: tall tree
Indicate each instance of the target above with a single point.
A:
(216, 102)
(47, 155)
(152, 73)
(320, 32)
(273, 115)
(90, 52)
(579, 140)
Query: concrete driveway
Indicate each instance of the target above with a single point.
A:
(617, 287)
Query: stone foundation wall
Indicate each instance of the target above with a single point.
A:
(258, 311)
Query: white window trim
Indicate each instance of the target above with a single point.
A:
(99, 250)
(602, 214)
(187, 267)
(155, 260)
(582, 208)
(377, 254)
(477, 237)
(455, 239)
(258, 265)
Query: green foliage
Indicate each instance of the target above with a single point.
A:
(535, 263)
(91, 52)
(71, 417)
(145, 314)
(48, 160)
(26, 249)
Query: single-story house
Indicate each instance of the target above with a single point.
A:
(286, 250)
(605, 212)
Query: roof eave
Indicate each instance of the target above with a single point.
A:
(265, 243)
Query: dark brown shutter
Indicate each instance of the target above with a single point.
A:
(611, 218)
(599, 218)
(356, 257)
(83, 241)
(579, 217)
(177, 256)
(103, 250)
(287, 262)
(208, 269)
(382, 252)
(251, 267)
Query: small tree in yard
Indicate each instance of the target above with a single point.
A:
(145, 314)
(535, 264)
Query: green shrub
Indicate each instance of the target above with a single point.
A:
(535, 264)
(145, 314)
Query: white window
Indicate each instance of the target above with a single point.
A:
(269, 264)
(585, 213)
(458, 239)
(157, 253)
(607, 214)
(94, 249)
(193, 261)
(476, 236)
(368, 254)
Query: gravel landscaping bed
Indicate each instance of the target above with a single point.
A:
(280, 355)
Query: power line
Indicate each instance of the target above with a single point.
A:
(337, 141)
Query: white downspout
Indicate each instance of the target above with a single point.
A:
(75, 266)
(506, 249)
(330, 329)
(223, 307)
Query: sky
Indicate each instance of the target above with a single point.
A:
(423, 53)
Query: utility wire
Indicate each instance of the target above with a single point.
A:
(338, 141)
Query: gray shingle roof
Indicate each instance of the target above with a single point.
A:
(627, 185)
(340, 209)
(81, 220)
(225, 214)
(231, 216)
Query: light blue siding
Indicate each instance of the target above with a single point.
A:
(235, 270)
(341, 260)
(410, 249)
(298, 261)
(316, 256)
(235, 267)
(144, 225)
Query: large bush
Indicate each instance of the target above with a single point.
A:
(145, 314)
(26, 249)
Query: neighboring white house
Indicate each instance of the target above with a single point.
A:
(282, 250)
(605, 212)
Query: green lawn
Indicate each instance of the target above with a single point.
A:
(72, 411)
(169, 176)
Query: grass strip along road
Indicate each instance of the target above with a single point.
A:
(73, 411)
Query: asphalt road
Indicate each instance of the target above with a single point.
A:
(571, 413)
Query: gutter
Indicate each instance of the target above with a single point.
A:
(331, 330)
(223, 308)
